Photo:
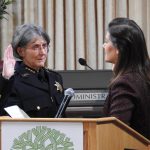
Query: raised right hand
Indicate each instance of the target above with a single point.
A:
(8, 63)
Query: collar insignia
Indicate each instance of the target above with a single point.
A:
(31, 70)
(59, 87)
(25, 75)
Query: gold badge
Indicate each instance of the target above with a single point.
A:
(59, 87)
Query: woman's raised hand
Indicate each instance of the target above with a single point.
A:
(8, 63)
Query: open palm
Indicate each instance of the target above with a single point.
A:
(9, 63)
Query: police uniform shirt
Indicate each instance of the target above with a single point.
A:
(38, 93)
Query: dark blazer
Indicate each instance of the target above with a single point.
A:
(39, 94)
(129, 101)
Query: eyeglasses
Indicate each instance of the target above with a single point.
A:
(38, 47)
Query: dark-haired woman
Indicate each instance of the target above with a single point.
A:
(129, 90)
(28, 84)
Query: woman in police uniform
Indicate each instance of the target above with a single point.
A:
(27, 83)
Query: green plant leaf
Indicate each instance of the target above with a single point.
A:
(3, 7)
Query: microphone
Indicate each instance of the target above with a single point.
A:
(69, 93)
(82, 62)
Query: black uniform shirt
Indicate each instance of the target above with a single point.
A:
(39, 94)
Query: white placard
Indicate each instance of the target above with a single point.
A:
(32, 134)
(16, 112)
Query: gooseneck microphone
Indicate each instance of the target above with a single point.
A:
(69, 93)
(82, 62)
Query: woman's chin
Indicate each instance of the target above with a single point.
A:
(107, 60)
(41, 65)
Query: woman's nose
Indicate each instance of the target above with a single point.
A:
(43, 50)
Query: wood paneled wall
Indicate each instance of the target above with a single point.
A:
(76, 27)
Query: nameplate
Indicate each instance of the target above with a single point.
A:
(90, 95)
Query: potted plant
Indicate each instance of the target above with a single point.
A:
(3, 7)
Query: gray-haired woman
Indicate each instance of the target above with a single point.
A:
(28, 84)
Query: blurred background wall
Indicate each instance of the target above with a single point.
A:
(76, 27)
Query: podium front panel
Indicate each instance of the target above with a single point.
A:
(41, 135)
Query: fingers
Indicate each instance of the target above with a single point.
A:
(9, 63)
(8, 54)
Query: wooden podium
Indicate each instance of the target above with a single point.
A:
(98, 133)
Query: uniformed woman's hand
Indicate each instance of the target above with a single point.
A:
(8, 63)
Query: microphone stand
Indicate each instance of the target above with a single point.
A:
(62, 107)
(68, 95)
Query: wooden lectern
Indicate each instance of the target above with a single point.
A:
(98, 133)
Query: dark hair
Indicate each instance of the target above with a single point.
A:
(129, 39)
(24, 34)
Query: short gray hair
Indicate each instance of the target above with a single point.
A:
(24, 34)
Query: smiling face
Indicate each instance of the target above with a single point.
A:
(111, 53)
(35, 53)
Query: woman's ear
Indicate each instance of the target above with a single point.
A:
(20, 51)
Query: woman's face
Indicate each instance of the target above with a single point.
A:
(35, 53)
(111, 53)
